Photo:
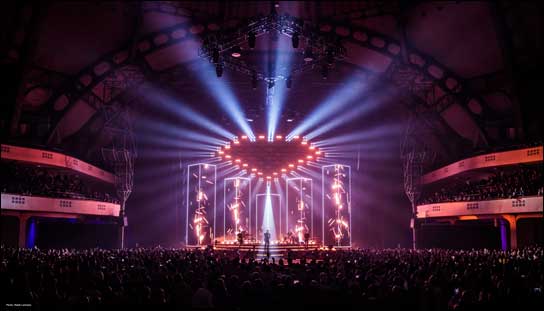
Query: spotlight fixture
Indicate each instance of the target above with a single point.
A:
(316, 46)
(219, 70)
(215, 55)
(308, 55)
(288, 82)
(251, 40)
(270, 84)
(236, 51)
(294, 40)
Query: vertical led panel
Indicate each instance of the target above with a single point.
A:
(336, 205)
(299, 216)
(268, 215)
(201, 204)
(236, 207)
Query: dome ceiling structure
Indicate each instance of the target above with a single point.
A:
(89, 56)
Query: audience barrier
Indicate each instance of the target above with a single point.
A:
(504, 206)
(52, 205)
(526, 155)
(45, 157)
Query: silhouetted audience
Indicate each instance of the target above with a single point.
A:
(390, 279)
(49, 182)
(526, 181)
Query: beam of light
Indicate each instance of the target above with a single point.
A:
(157, 141)
(275, 96)
(378, 132)
(361, 108)
(168, 153)
(183, 111)
(268, 215)
(313, 174)
(226, 172)
(334, 103)
(174, 131)
(223, 95)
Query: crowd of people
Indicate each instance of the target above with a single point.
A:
(388, 279)
(525, 181)
(48, 182)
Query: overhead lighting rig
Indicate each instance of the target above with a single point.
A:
(317, 49)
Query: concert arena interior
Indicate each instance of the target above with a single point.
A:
(255, 155)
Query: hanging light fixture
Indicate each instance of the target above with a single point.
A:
(308, 55)
(236, 51)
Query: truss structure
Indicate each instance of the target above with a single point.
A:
(324, 49)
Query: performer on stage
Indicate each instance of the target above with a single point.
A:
(267, 243)
(241, 237)
(306, 239)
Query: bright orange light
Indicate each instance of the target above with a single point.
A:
(309, 157)
(228, 156)
(253, 169)
(244, 137)
(221, 152)
(291, 165)
(296, 137)
(237, 160)
(245, 165)
(236, 142)
(259, 173)
(268, 177)
(304, 142)
(275, 174)
(279, 137)
(312, 147)
(318, 152)
(283, 170)
(261, 136)
(227, 147)
(300, 161)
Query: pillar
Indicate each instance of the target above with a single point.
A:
(513, 230)
(504, 234)
(23, 221)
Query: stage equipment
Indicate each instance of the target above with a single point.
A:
(236, 208)
(299, 216)
(316, 47)
(268, 214)
(336, 205)
(201, 204)
(271, 157)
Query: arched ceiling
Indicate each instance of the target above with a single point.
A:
(95, 45)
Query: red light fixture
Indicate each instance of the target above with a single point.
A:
(263, 156)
